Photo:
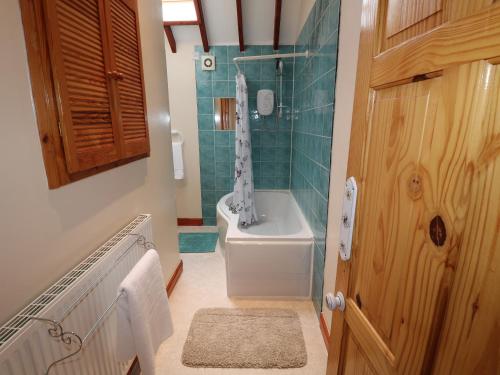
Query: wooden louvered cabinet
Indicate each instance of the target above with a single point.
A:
(85, 56)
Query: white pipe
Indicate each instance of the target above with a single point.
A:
(236, 60)
(280, 112)
(269, 57)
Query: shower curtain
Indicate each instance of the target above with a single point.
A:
(243, 196)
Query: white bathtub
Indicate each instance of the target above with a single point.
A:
(273, 258)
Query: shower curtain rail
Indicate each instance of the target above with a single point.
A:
(236, 60)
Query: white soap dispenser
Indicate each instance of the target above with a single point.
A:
(265, 102)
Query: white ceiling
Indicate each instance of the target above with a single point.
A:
(258, 22)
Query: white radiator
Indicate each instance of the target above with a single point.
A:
(26, 348)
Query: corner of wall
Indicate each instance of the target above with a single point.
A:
(182, 98)
(314, 97)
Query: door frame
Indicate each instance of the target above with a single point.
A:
(354, 168)
(347, 58)
(372, 72)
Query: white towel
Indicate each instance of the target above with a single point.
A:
(178, 161)
(143, 313)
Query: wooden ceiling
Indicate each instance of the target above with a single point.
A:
(200, 22)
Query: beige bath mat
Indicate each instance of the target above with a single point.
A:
(245, 338)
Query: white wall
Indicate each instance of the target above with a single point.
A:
(45, 232)
(182, 97)
(305, 9)
(258, 21)
(350, 21)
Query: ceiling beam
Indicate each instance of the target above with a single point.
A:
(277, 22)
(170, 38)
(239, 14)
(201, 24)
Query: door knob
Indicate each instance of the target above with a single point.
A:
(335, 301)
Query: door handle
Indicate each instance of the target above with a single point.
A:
(347, 220)
(334, 302)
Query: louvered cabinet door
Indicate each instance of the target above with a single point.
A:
(82, 79)
(123, 31)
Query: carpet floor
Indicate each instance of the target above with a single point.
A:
(245, 338)
(197, 242)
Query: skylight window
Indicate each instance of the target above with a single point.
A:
(179, 11)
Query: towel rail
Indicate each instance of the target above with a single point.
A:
(68, 337)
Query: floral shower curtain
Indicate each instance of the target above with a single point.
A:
(243, 196)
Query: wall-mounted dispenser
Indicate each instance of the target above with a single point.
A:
(265, 102)
(177, 144)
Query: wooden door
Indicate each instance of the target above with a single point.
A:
(423, 285)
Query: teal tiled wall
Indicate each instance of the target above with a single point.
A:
(271, 137)
(313, 125)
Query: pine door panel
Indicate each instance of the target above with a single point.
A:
(80, 67)
(356, 363)
(402, 14)
(400, 267)
(470, 341)
(419, 174)
(406, 19)
(127, 63)
(463, 8)
(461, 41)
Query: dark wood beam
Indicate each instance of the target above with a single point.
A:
(170, 37)
(239, 14)
(277, 22)
(201, 23)
(180, 23)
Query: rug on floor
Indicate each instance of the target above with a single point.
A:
(197, 242)
(245, 338)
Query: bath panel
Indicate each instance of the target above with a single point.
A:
(273, 258)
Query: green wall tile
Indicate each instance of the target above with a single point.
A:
(220, 53)
(220, 89)
(220, 73)
(206, 122)
(205, 106)
(204, 89)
